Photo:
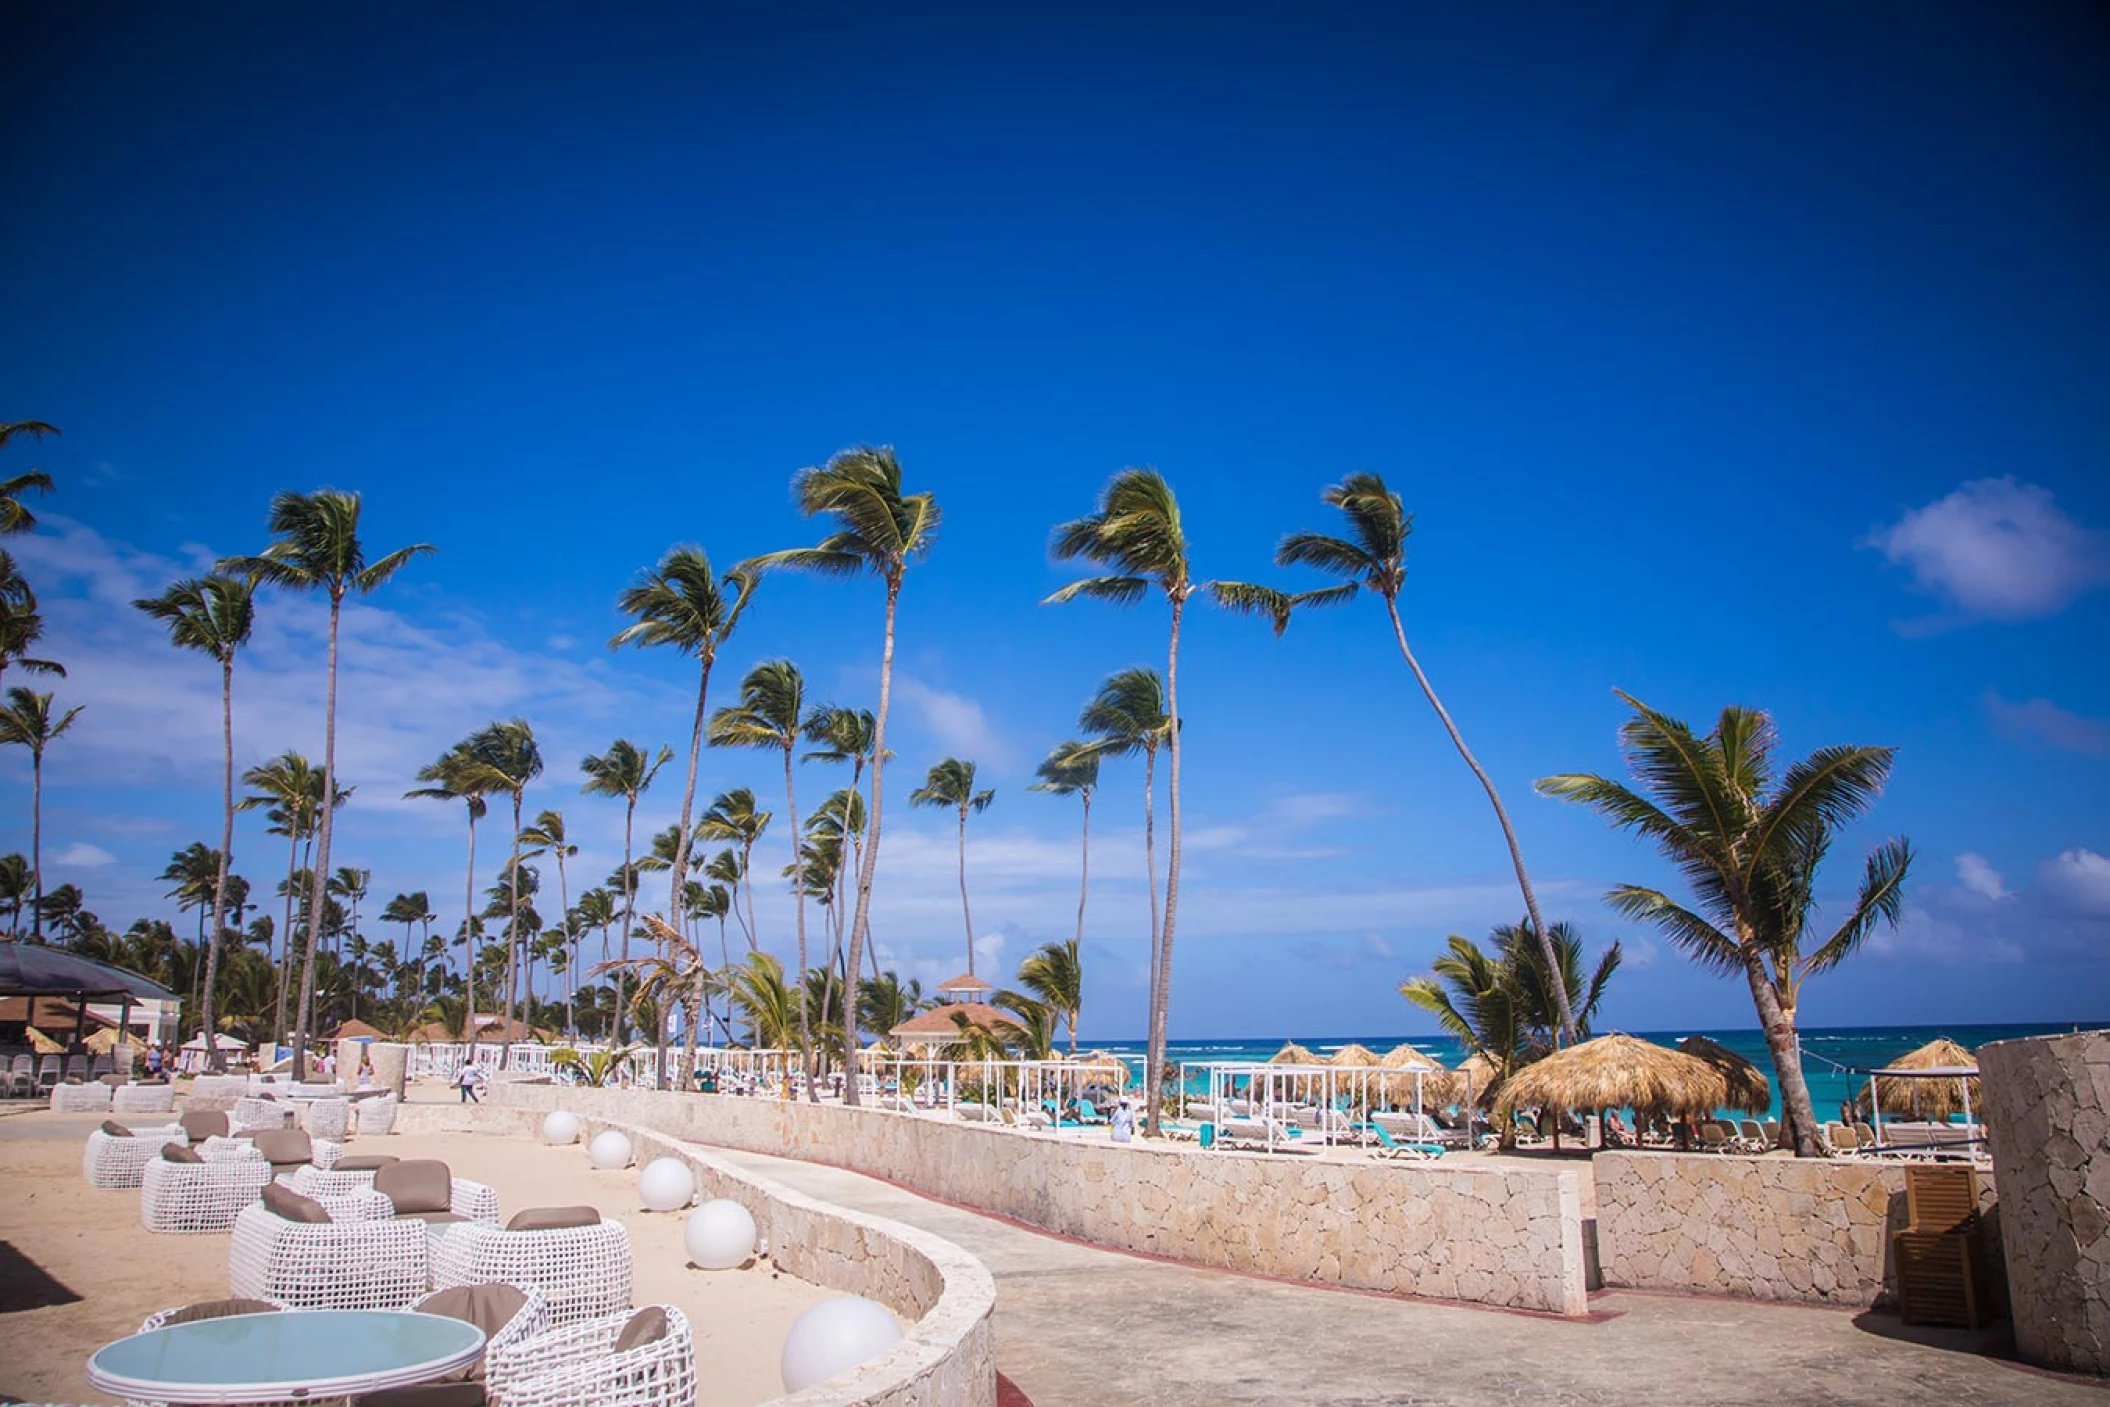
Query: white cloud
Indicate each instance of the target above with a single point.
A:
(2080, 879)
(957, 722)
(1310, 808)
(1996, 549)
(2042, 721)
(1980, 877)
(81, 856)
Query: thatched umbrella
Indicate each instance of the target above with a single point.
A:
(1478, 1073)
(1617, 1072)
(1749, 1089)
(1933, 1098)
(1353, 1057)
(1116, 1068)
(1402, 1061)
(1293, 1054)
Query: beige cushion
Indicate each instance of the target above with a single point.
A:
(427, 1395)
(553, 1218)
(217, 1309)
(432, 1218)
(201, 1124)
(284, 1147)
(115, 1129)
(489, 1307)
(417, 1185)
(648, 1325)
(177, 1153)
(285, 1202)
(364, 1162)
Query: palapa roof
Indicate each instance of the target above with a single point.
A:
(1293, 1054)
(1933, 1097)
(1617, 1072)
(937, 1027)
(1353, 1056)
(1402, 1061)
(355, 1030)
(965, 982)
(1749, 1089)
(1478, 1071)
(1103, 1060)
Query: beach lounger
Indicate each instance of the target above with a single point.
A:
(1839, 1140)
(1253, 1133)
(1866, 1138)
(1389, 1147)
(293, 1249)
(1772, 1132)
(583, 1268)
(1712, 1138)
(632, 1358)
(1753, 1136)
(1088, 1113)
(184, 1198)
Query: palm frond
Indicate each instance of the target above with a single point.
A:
(1687, 931)
(1120, 590)
(1880, 903)
(1247, 599)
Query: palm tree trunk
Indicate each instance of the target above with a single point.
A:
(747, 883)
(514, 945)
(1779, 1027)
(36, 842)
(1161, 995)
(869, 866)
(1150, 870)
(318, 893)
(469, 936)
(571, 950)
(798, 892)
(1084, 890)
(1509, 834)
(966, 914)
(682, 840)
(285, 937)
(622, 1006)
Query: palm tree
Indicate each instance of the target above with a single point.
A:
(506, 760)
(547, 837)
(1749, 845)
(880, 530)
(846, 735)
(950, 784)
(1072, 769)
(625, 770)
(27, 721)
(17, 888)
(212, 615)
(1125, 717)
(1054, 973)
(759, 990)
(193, 874)
(1375, 558)
(412, 911)
(14, 517)
(733, 818)
(682, 604)
(291, 788)
(21, 623)
(318, 549)
(885, 1001)
(770, 714)
(457, 775)
(715, 902)
(1137, 532)
(597, 910)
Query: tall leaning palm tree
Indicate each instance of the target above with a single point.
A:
(546, 837)
(317, 548)
(507, 759)
(772, 714)
(1126, 717)
(456, 775)
(1072, 769)
(683, 605)
(14, 517)
(28, 721)
(1138, 533)
(212, 615)
(950, 786)
(878, 530)
(1374, 558)
(625, 770)
(1749, 843)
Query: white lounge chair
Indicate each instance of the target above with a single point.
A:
(201, 1197)
(112, 1160)
(143, 1099)
(582, 1270)
(329, 1118)
(362, 1264)
(641, 1358)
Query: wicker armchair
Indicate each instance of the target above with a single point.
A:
(582, 1363)
(120, 1160)
(376, 1115)
(80, 1099)
(413, 1185)
(144, 1099)
(372, 1264)
(530, 1319)
(330, 1118)
(583, 1271)
(192, 1198)
(323, 1184)
(252, 1115)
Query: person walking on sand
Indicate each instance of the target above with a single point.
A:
(471, 1080)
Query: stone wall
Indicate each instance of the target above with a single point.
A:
(1815, 1230)
(2047, 1107)
(947, 1356)
(1500, 1236)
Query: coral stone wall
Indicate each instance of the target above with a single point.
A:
(1501, 1236)
(1815, 1230)
(2047, 1106)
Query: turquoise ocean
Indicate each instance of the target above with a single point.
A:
(1835, 1060)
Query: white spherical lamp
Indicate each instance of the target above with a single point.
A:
(666, 1185)
(835, 1336)
(609, 1149)
(560, 1126)
(720, 1235)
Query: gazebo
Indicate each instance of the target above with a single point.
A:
(34, 970)
(964, 998)
(1617, 1072)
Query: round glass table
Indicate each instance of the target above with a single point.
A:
(293, 1354)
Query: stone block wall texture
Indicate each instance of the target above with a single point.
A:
(947, 1357)
(2047, 1107)
(1508, 1237)
(1813, 1230)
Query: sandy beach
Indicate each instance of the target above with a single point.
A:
(76, 1270)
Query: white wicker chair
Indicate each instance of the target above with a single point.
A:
(568, 1366)
(582, 1271)
(375, 1264)
(189, 1198)
(531, 1319)
(176, 1314)
(256, 1115)
(311, 1181)
(109, 1161)
(217, 1148)
(144, 1099)
(219, 1087)
(329, 1118)
(376, 1115)
(80, 1099)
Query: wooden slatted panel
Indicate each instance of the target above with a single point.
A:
(1941, 1199)
(1936, 1278)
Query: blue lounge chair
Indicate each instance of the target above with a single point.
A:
(1087, 1114)
(1388, 1147)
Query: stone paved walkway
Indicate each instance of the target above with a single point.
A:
(1081, 1327)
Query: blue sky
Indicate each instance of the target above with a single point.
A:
(1723, 355)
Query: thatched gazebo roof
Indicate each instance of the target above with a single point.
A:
(1749, 1089)
(1402, 1061)
(1617, 1072)
(1931, 1097)
(1114, 1065)
(1479, 1072)
(1293, 1054)
(1353, 1057)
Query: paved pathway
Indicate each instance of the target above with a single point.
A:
(1081, 1327)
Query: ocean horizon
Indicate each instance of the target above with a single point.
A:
(1835, 1059)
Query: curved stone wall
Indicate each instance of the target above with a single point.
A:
(947, 1356)
(1501, 1236)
